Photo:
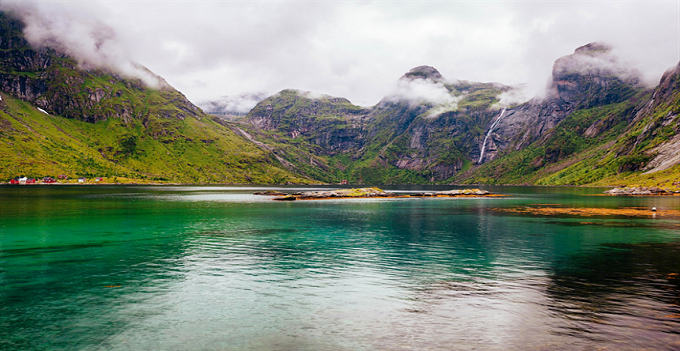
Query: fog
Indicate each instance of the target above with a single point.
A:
(357, 50)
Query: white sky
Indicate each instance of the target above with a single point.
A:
(358, 49)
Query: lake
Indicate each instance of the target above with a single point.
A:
(217, 268)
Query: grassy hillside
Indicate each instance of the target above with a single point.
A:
(190, 150)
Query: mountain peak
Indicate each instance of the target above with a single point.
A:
(593, 49)
(592, 76)
(423, 72)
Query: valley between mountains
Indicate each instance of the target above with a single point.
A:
(596, 125)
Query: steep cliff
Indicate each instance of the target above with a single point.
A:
(590, 77)
(630, 138)
(596, 125)
(60, 117)
(406, 138)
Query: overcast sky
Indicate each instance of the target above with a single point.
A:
(357, 49)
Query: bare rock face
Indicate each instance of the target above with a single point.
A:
(423, 72)
(591, 76)
(665, 97)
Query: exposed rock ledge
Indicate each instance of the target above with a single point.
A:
(368, 193)
(654, 191)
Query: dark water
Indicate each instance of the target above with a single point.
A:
(209, 268)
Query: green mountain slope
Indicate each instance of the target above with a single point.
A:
(59, 118)
(193, 150)
(400, 140)
(597, 125)
(634, 142)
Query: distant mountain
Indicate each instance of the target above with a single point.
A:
(428, 130)
(57, 117)
(596, 125)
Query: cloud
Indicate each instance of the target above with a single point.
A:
(92, 43)
(419, 91)
(595, 58)
(357, 49)
(232, 105)
(514, 96)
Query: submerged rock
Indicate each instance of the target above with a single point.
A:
(269, 193)
(286, 198)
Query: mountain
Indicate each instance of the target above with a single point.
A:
(405, 138)
(596, 125)
(58, 116)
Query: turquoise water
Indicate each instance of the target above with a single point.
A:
(215, 268)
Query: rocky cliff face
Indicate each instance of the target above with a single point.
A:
(55, 83)
(426, 139)
(588, 78)
(658, 143)
(334, 124)
(409, 135)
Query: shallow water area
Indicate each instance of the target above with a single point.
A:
(217, 268)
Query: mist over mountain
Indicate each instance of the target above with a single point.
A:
(354, 49)
(63, 116)
(238, 105)
(427, 128)
(430, 129)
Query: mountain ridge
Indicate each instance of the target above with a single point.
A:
(596, 125)
(404, 140)
(57, 117)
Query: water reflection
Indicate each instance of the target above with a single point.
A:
(160, 269)
(622, 295)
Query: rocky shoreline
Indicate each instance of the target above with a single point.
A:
(641, 191)
(372, 192)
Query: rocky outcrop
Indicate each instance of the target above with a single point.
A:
(342, 193)
(333, 124)
(476, 192)
(628, 191)
(369, 193)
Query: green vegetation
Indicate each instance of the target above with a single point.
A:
(192, 150)
(606, 131)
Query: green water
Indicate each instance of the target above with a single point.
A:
(215, 268)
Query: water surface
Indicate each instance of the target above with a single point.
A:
(215, 268)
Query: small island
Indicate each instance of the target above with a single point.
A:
(641, 191)
(372, 192)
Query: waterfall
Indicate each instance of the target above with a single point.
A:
(481, 156)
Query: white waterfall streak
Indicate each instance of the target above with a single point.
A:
(481, 155)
